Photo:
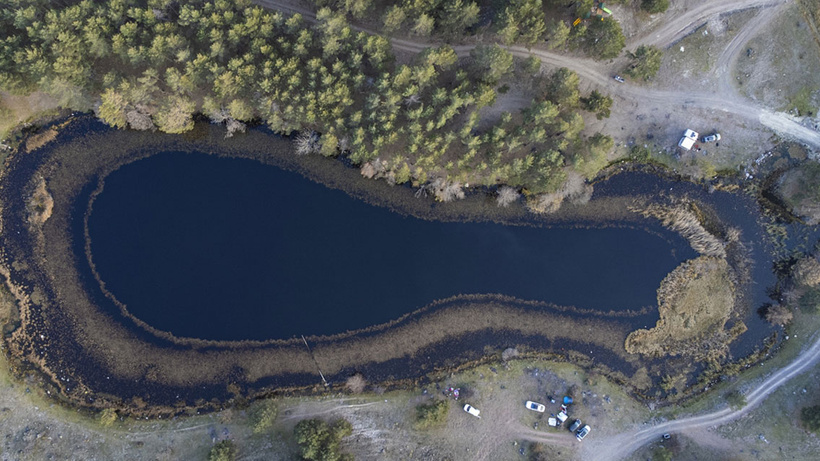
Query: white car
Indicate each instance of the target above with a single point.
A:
(711, 138)
(535, 406)
(472, 410)
(582, 433)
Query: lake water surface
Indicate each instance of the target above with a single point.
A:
(220, 248)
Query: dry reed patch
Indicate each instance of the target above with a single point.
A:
(695, 302)
(40, 205)
(683, 219)
(40, 139)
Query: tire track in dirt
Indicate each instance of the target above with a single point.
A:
(599, 73)
(687, 22)
(622, 445)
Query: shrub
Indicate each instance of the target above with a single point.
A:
(319, 441)
(506, 196)
(263, 416)
(108, 417)
(654, 6)
(810, 301)
(807, 272)
(778, 315)
(646, 62)
(810, 416)
(431, 415)
(736, 400)
(356, 383)
(223, 451)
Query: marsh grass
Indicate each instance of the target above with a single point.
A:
(695, 302)
(683, 218)
(77, 332)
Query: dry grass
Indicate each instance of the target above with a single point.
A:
(15, 110)
(695, 302)
(40, 204)
(681, 218)
(39, 140)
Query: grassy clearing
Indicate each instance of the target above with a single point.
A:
(781, 65)
(15, 110)
(695, 302)
(801, 102)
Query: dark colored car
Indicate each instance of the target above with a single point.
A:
(574, 427)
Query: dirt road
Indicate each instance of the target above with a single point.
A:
(687, 22)
(623, 444)
(600, 73)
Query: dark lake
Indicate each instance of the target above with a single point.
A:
(219, 248)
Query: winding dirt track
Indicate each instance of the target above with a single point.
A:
(622, 445)
(687, 22)
(599, 73)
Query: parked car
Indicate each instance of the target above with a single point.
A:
(711, 138)
(574, 427)
(618, 78)
(582, 433)
(472, 410)
(535, 406)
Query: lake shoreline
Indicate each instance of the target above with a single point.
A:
(89, 349)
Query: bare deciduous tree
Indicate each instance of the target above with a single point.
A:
(807, 271)
(356, 383)
(139, 119)
(446, 191)
(575, 189)
(778, 315)
(307, 142)
(506, 196)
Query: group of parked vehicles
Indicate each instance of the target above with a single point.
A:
(575, 427)
(580, 432)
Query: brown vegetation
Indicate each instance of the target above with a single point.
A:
(40, 204)
(39, 140)
(779, 315)
(695, 302)
(683, 219)
(807, 272)
(356, 383)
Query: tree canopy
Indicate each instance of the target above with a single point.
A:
(156, 65)
(319, 441)
(646, 61)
